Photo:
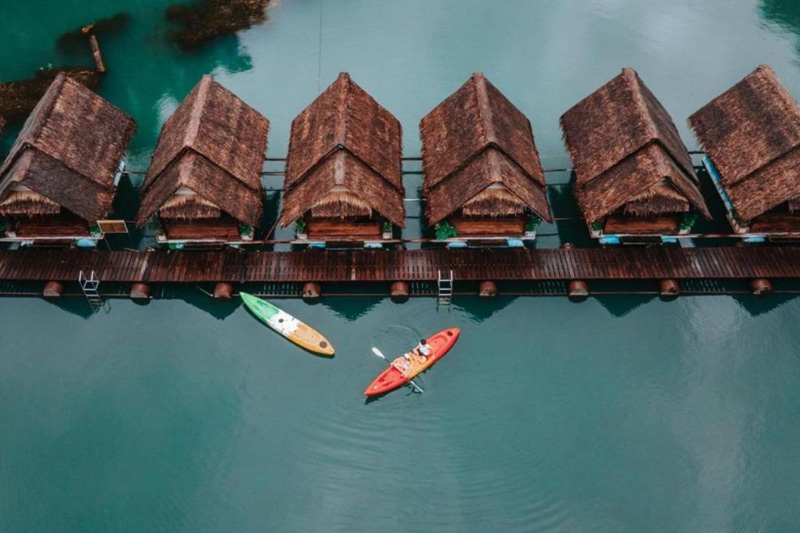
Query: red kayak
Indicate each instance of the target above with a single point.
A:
(393, 377)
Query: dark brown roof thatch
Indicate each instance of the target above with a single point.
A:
(344, 139)
(215, 145)
(752, 134)
(473, 139)
(2, 125)
(69, 150)
(343, 169)
(623, 143)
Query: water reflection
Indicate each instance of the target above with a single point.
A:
(761, 306)
(619, 306)
(480, 309)
(194, 296)
(350, 308)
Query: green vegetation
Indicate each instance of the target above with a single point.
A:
(445, 230)
(532, 223)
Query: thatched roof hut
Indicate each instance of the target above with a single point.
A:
(752, 134)
(345, 158)
(628, 155)
(479, 155)
(66, 155)
(208, 160)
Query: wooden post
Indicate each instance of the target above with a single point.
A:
(140, 292)
(223, 291)
(669, 289)
(761, 287)
(311, 291)
(99, 62)
(53, 289)
(399, 291)
(487, 289)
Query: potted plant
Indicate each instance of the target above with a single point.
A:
(597, 228)
(246, 231)
(445, 230)
(531, 224)
(300, 229)
(386, 230)
(96, 232)
(687, 222)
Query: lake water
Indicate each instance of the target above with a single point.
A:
(618, 414)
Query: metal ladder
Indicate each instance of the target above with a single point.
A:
(90, 287)
(445, 289)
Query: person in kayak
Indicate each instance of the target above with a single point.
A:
(422, 351)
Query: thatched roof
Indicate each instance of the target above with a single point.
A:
(2, 125)
(473, 139)
(752, 134)
(623, 143)
(215, 145)
(69, 150)
(661, 199)
(190, 206)
(25, 202)
(345, 139)
(321, 190)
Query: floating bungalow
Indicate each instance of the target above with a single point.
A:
(59, 180)
(344, 170)
(751, 135)
(633, 174)
(482, 177)
(204, 182)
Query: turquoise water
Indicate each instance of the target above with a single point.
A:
(618, 414)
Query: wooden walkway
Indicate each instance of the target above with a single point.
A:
(416, 265)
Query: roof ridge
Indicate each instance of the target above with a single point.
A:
(342, 110)
(198, 105)
(484, 108)
(635, 84)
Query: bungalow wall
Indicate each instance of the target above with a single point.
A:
(64, 226)
(628, 225)
(222, 229)
(356, 229)
(488, 226)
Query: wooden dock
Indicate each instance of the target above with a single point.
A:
(414, 265)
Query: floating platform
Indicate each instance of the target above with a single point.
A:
(236, 266)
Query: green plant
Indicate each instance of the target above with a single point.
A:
(597, 225)
(95, 229)
(386, 227)
(245, 230)
(688, 221)
(300, 225)
(532, 223)
(445, 230)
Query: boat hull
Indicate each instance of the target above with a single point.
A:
(288, 326)
(392, 378)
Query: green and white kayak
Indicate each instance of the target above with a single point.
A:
(299, 333)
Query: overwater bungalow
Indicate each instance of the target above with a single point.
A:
(344, 169)
(751, 135)
(482, 177)
(59, 180)
(204, 182)
(633, 174)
